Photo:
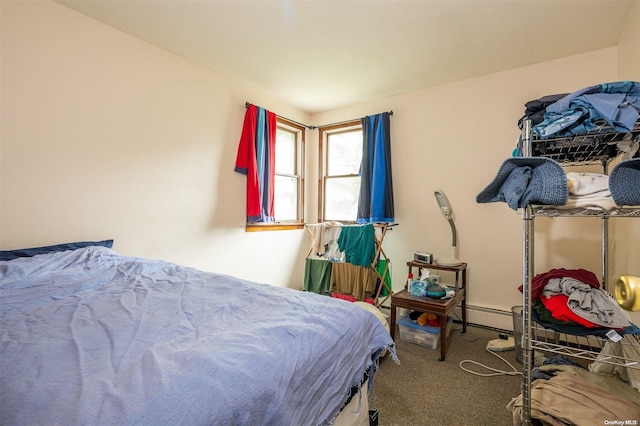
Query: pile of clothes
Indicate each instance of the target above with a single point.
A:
(563, 391)
(568, 394)
(521, 181)
(571, 301)
(615, 105)
(589, 190)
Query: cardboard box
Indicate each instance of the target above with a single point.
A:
(423, 335)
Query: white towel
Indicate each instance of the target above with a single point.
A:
(317, 234)
(587, 183)
(597, 201)
(324, 240)
(590, 191)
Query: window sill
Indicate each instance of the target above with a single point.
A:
(254, 227)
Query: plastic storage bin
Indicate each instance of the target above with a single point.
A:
(423, 335)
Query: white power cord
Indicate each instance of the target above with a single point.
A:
(496, 372)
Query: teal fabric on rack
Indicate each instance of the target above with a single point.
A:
(358, 244)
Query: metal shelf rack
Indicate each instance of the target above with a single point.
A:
(600, 147)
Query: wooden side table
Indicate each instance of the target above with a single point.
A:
(439, 307)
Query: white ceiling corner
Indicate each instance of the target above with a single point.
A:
(319, 55)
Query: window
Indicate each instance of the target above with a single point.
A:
(288, 199)
(340, 158)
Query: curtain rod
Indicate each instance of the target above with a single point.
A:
(346, 121)
(246, 105)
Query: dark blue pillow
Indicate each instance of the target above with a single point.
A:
(29, 252)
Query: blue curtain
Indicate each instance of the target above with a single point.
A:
(376, 185)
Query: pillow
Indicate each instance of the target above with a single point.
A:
(29, 252)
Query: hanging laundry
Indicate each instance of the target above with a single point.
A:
(324, 240)
(359, 281)
(317, 275)
(358, 244)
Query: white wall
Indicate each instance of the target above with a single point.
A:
(454, 137)
(106, 136)
(626, 236)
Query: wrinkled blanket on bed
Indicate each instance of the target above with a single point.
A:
(92, 337)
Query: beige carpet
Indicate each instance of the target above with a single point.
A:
(425, 391)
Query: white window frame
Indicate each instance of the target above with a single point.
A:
(324, 134)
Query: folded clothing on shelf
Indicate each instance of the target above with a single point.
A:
(521, 181)
(624, 182)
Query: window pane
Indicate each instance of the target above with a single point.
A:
(285, 152)
(341, 198)
(344, 153)
(285, 198)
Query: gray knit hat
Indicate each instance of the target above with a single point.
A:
(527, 180)
(624, 183)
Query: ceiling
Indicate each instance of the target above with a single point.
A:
(318, 55)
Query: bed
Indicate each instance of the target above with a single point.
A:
(89, 336)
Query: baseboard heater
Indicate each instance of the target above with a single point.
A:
(490, 318)
(488, 310)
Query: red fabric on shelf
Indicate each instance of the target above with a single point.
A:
(560, 310)
(540, 280)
